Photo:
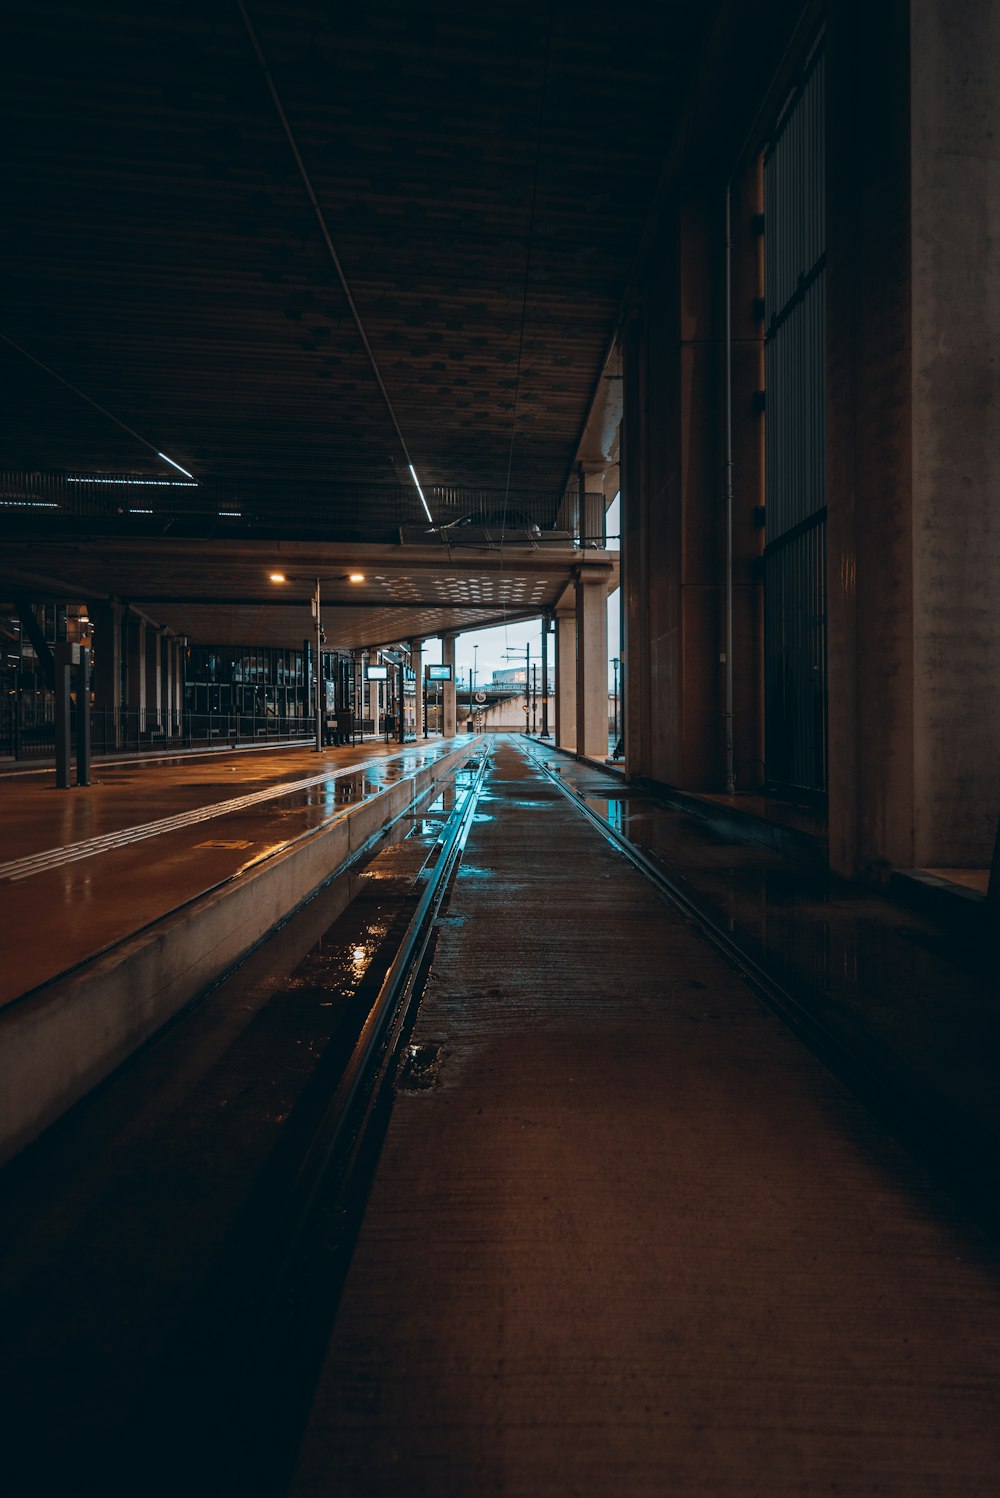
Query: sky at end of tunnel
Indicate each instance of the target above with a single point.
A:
(505, 646)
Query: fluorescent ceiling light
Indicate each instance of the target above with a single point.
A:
(423, 501)
(277, 577)
(175, 465)
(148, 483)
(357, 577)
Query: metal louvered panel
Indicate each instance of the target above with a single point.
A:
(795, 374)
(795, 485)
(795, 189)
(795, 683)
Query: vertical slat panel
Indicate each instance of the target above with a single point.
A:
(795, 375)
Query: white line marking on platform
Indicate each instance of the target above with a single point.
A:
(54, 858)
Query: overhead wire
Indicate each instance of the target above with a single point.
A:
(331, 247)
(91, 402)
(543, 92)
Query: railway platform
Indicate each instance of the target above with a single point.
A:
(123, 899)
(611, 1225)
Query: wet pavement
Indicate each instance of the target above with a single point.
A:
(914, 1000)
(633, 1237)
(82, 868)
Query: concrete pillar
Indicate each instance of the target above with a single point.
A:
(592, 663)
(374, 696)
(107, 676)
(450, 698)
(914, 390)
(634, 550)
(590, 490)
(180, 672)
(546, 628)
(154, 675)
(169, 668)
(565, 635)
(359, 683)
(135, 665)
(673, 509)
(417, 663)
(869, 538)
(955, 319)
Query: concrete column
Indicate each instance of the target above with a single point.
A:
(107, 676)
(634, 549)
(565, 635)
(590, 488)
(374, 696)
(169, 667)
(955, 318)
(359, 683)
(592, 663)
(870, 548)
(135, 665)
(450, 698)
(545, 676)
(417, 663)
(180, 671)
(914, 390)
(154, 675)
(673, 510)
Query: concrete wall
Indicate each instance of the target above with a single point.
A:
(870, 585)
(955, 260)
(914, 454)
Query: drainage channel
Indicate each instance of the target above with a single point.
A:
(225, 1408)
(957, 1155)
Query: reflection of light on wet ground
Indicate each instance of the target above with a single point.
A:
(267, 851)
(851, 955)
(361, 955)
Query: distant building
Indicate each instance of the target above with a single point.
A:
(517, 676)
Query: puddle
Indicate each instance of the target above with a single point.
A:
(420, 1067)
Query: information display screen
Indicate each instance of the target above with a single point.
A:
(377, 673)
(438, 673)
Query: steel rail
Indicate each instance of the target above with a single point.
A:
(376, 1047)
(776, 996)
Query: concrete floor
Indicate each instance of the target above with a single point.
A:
(636, 1239)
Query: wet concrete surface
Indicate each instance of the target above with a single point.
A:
(111, 1222)
(632, 1237)
(59, 908)
(915, 998)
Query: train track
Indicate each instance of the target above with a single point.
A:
(224, 1410)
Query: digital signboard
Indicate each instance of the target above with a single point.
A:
(438, 673)
(377, 673)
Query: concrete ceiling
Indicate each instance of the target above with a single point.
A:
(220, 592)
(484, 172)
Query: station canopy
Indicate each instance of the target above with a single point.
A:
(321, 288)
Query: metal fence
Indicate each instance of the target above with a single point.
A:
(795, 423)
(27, 729)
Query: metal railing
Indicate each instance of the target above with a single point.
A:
(27, 729)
